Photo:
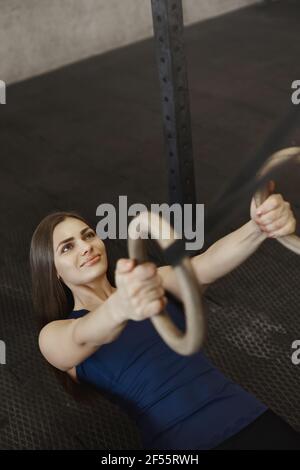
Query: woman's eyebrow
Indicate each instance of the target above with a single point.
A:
(82, 232)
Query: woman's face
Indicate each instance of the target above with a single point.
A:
(79, 254)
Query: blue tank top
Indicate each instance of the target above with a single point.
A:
(177, 402)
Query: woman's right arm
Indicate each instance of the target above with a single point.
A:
(66, 343)
(139, 295)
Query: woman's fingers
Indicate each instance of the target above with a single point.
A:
(125, 265)
(270, 217)
(141, 287)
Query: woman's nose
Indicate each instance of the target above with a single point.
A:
(84, 247)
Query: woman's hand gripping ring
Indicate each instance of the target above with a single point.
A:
(190, 341)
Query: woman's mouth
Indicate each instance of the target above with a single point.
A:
(92, 261)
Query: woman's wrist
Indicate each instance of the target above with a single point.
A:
(117, 309)
(255, 231)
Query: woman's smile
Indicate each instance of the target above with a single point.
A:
(92, 261)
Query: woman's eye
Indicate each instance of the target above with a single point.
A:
(90, 235)
(66, 248)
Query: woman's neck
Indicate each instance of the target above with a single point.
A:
(90, 296)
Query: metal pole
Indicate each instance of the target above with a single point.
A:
(168, 32)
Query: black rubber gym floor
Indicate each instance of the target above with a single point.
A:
(87, 133)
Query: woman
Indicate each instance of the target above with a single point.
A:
(178, 402)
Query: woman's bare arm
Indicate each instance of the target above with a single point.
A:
(66, 343)
(221, 258)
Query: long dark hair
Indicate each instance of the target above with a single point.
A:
(52, 299)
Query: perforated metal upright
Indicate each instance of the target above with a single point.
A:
(168, 33)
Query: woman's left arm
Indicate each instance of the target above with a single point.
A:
(272, 219)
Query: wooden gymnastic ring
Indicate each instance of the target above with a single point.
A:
(292, 242)
(190, 341)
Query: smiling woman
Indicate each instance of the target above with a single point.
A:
(60, 257)
(65, 256)
(177, 402)
(80, 260)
